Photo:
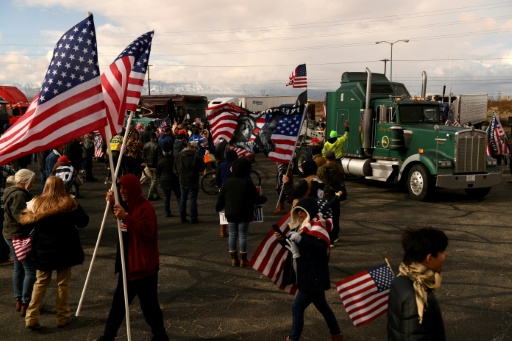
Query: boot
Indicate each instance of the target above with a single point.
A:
(18, 303)
(338, 337)
(243, 259)
(24, 307)
(234, 258)
(223, 231)
(279, 209)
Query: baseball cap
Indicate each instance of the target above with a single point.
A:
(192, 144)
(316, 140)
(63, 158)
(333, 133)
(330, 155)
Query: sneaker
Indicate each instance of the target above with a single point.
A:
(336, 240)
(7, 262)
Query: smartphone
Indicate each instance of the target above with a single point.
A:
(278, 230)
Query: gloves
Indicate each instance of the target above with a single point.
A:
(293, 248)
(294, 237)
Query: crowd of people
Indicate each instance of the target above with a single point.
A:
(172, 159)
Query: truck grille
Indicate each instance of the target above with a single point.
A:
(470, 151)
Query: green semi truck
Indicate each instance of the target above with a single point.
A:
(399, 139)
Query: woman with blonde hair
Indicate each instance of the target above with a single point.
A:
(54, 217)
(15, 200)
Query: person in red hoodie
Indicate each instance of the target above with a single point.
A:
(142, 259)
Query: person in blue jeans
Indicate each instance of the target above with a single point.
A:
(310, 251)
(15, 200)
(188, 167)
(237, 198)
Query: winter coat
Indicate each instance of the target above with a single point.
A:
(140, 233)
(224, 169)
(55, 239)
(313, 265)
(165, 173)
(188, 166)
(403, 319)
(336, 145)
(151, 153)
(237, 198)
(332, 175)
(177, 147)
(15, 201)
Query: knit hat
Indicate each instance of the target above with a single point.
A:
(333, 133)
(309, 168)
(63, 158)
(316, 150)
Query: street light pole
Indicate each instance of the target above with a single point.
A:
(391, 60)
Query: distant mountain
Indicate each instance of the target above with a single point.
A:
(208, 90)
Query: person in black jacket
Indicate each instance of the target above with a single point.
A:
(168, 181)
(311, 254)
(237, 198)
(54, 217)
(188, 166)
(222, 174)
(413, 311)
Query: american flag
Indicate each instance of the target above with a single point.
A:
(22, 247)
(70, 102)
(223, 119)
(122, 82)
(286, 133)
(496, 138)
(269, 259)
(365, 295)
(299, 77)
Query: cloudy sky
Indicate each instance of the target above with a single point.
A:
(464, 45)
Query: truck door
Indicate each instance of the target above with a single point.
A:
(388, 136)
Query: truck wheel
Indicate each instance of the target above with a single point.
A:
(300, 158)
(477, 193)
(419, 183)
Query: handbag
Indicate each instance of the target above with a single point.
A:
(22, 247)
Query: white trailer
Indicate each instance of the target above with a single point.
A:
(255, 104)
(470, 108)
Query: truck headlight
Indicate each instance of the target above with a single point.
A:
(444, 163)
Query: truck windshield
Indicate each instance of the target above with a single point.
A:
(419, 114)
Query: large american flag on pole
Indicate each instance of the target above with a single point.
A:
(70, 102)
(286, 134)
(365, 295)
(122, 82)
(299, 77)
(496, 138)
(270, 257)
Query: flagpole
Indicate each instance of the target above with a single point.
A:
(295, 147)
(389, 265)
(121, 246)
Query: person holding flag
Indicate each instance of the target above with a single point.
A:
(309, 243)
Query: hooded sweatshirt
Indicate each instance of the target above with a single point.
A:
(188, 166)
(140, 233)
(15, 200)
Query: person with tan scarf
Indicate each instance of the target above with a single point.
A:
(413, 312)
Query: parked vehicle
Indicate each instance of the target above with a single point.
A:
(399, 139)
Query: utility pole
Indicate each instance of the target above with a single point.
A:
(391, 61)
(149, 81)
(385, 60)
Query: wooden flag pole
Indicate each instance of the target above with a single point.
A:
(390, 268)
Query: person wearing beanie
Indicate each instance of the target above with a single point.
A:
(222, 174)
(308, 186)
(333, 177)
(308, 243)
(317, 156)
(65, 170)
(335, 143)
(237, 198)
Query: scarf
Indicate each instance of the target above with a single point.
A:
(422, 278)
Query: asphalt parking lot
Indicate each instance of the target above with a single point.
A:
(204, 298)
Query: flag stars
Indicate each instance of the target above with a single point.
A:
(63, 74)
(68, 85)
